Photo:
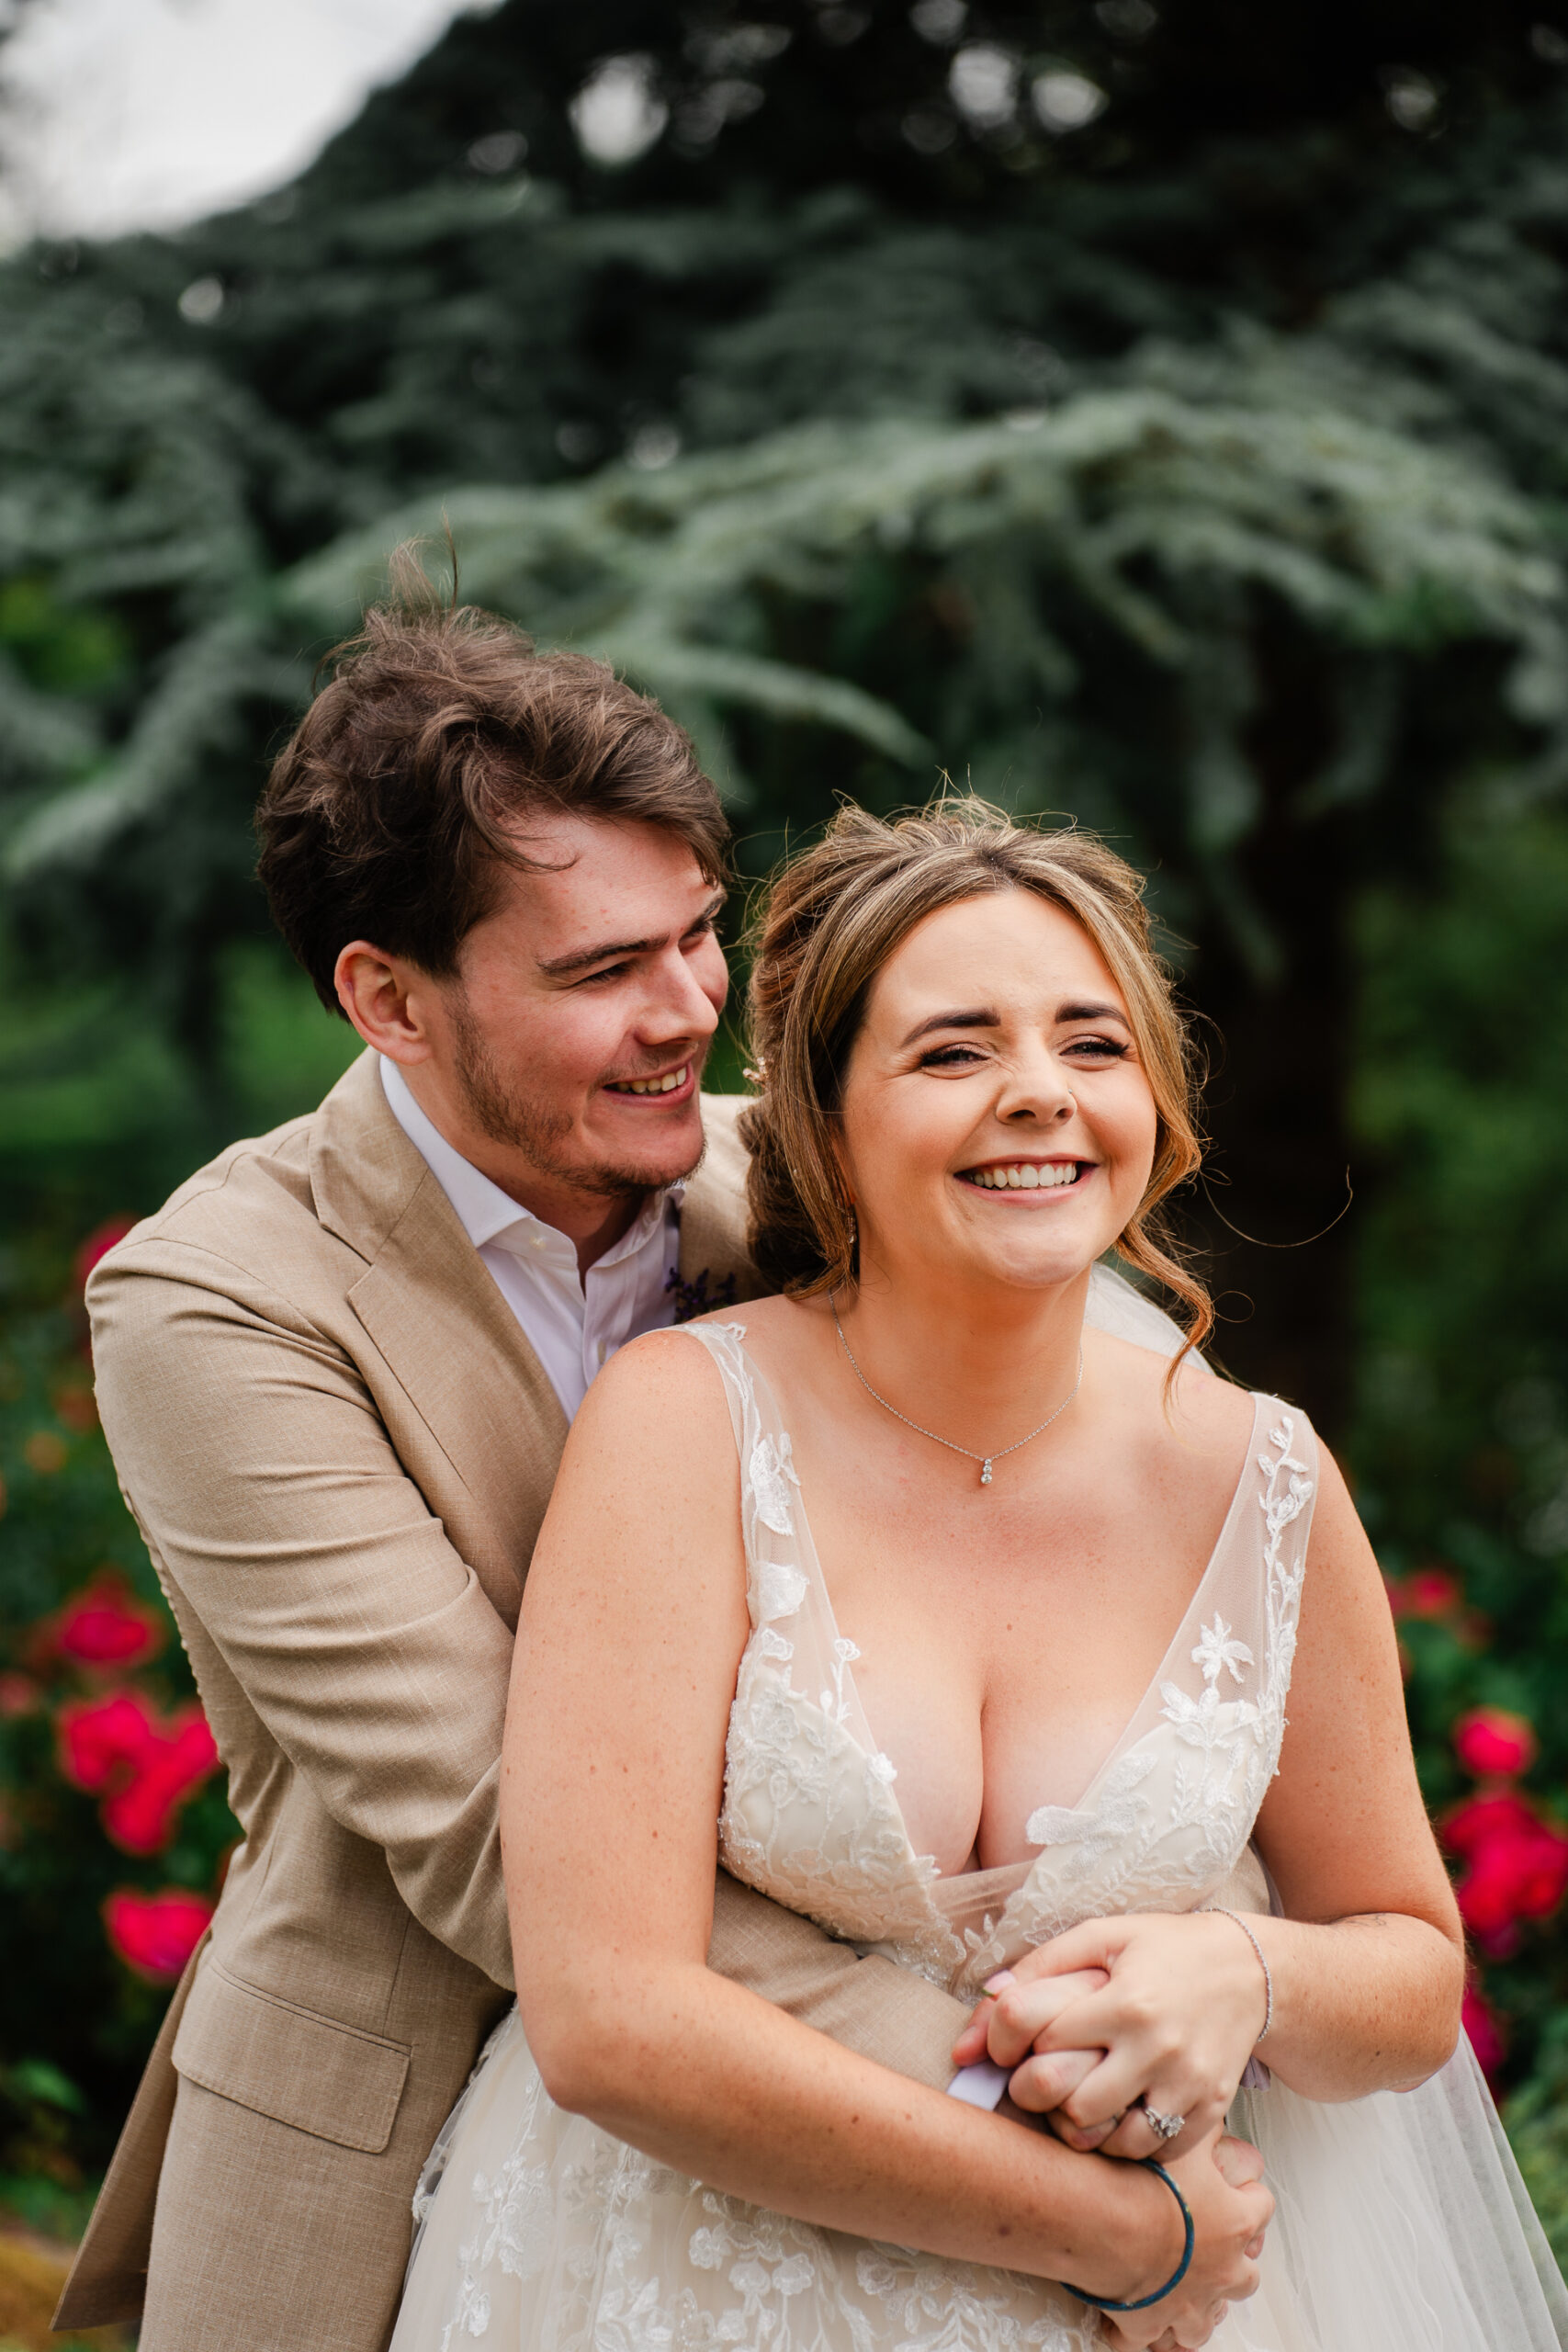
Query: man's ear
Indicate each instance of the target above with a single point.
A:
(386, 998)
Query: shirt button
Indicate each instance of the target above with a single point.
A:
(603, 1349)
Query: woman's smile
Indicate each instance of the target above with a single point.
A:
(1034, 1176)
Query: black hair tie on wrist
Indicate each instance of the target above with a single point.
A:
(1177, 2276)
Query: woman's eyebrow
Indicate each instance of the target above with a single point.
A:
(1092, 1013)
(984, 1019)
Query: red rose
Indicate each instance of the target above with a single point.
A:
(1493, 1744)
(155, 1934)
(99, 1244)
(144, 1766)
(106, 1625)
(1429, 1593)
(1519, 1867)
(1484, 2031)
(103, 1740)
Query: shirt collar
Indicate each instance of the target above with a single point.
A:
(485, 1212)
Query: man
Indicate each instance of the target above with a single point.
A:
(336, 1371)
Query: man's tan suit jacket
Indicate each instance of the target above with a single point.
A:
(340, 1447)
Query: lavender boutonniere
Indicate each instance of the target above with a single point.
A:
(695, 1298)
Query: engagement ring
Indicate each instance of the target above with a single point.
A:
(1168, 2126)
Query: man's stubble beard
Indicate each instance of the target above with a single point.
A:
(525, 1124)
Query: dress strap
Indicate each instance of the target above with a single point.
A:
(767, 1480)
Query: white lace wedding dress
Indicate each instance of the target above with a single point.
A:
(1402, 2225)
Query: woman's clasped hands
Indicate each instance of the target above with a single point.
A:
(1121, 2017)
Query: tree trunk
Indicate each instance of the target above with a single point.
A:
(1276, 1168)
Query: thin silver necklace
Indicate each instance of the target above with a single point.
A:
(984, 1459)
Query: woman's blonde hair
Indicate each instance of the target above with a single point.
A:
(831, 921)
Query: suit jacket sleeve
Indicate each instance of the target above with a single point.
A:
(288, 1535)
(870, 2006)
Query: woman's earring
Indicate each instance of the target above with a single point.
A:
(854, 1229)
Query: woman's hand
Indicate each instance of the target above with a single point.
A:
(1222, 2183)
(1169, 2006)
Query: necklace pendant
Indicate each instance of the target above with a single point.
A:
(986, 1472)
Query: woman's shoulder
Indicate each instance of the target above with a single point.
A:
(1197, 1405)
(657, 1383)
(1186, 1447)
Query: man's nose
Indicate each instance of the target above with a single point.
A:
(679, 1006)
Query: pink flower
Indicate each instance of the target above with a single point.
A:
(1492, 1743)
(1430, 1593)
(106, 1625)
(1484, 2031)
(99, 1244)
(1519, 1867)
(144, 1766)
(156, 1934)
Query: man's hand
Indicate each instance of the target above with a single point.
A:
(1222, 2183)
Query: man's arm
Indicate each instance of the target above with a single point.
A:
(275, 1506)
(883, 2012)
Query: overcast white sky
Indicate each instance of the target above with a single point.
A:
(127, 114)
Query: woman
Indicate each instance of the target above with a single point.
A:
(869, 1592)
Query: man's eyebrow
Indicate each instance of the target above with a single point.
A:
(983, 1019)
(556, 967)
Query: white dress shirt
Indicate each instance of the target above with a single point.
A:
(574, 1323)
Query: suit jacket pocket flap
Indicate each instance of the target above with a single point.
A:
(290, 2064)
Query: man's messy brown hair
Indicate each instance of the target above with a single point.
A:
(408, 789)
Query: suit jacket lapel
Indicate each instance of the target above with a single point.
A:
(428, 1302)
(445, 1332)
(716, 1264)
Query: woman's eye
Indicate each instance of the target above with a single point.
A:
(1103, 1049)
(950, 1057)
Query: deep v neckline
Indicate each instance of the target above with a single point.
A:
(846, 1652)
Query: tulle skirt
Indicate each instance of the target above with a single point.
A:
(1402, 2226)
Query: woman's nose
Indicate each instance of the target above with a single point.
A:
(1037, 1088)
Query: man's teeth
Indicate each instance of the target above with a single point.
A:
(665, 1085)
(1025, 1176)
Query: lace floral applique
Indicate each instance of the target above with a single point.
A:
(773, 1475)
(779, 1590)
(1216, 1650)
(1096, 1830)
(1215, 1725)
(951, 2307)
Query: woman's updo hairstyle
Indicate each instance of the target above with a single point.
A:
(830, 923)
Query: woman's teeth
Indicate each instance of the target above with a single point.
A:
(665, 1085)
(1025, 1176)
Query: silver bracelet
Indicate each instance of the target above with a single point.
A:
(1263, 1965)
